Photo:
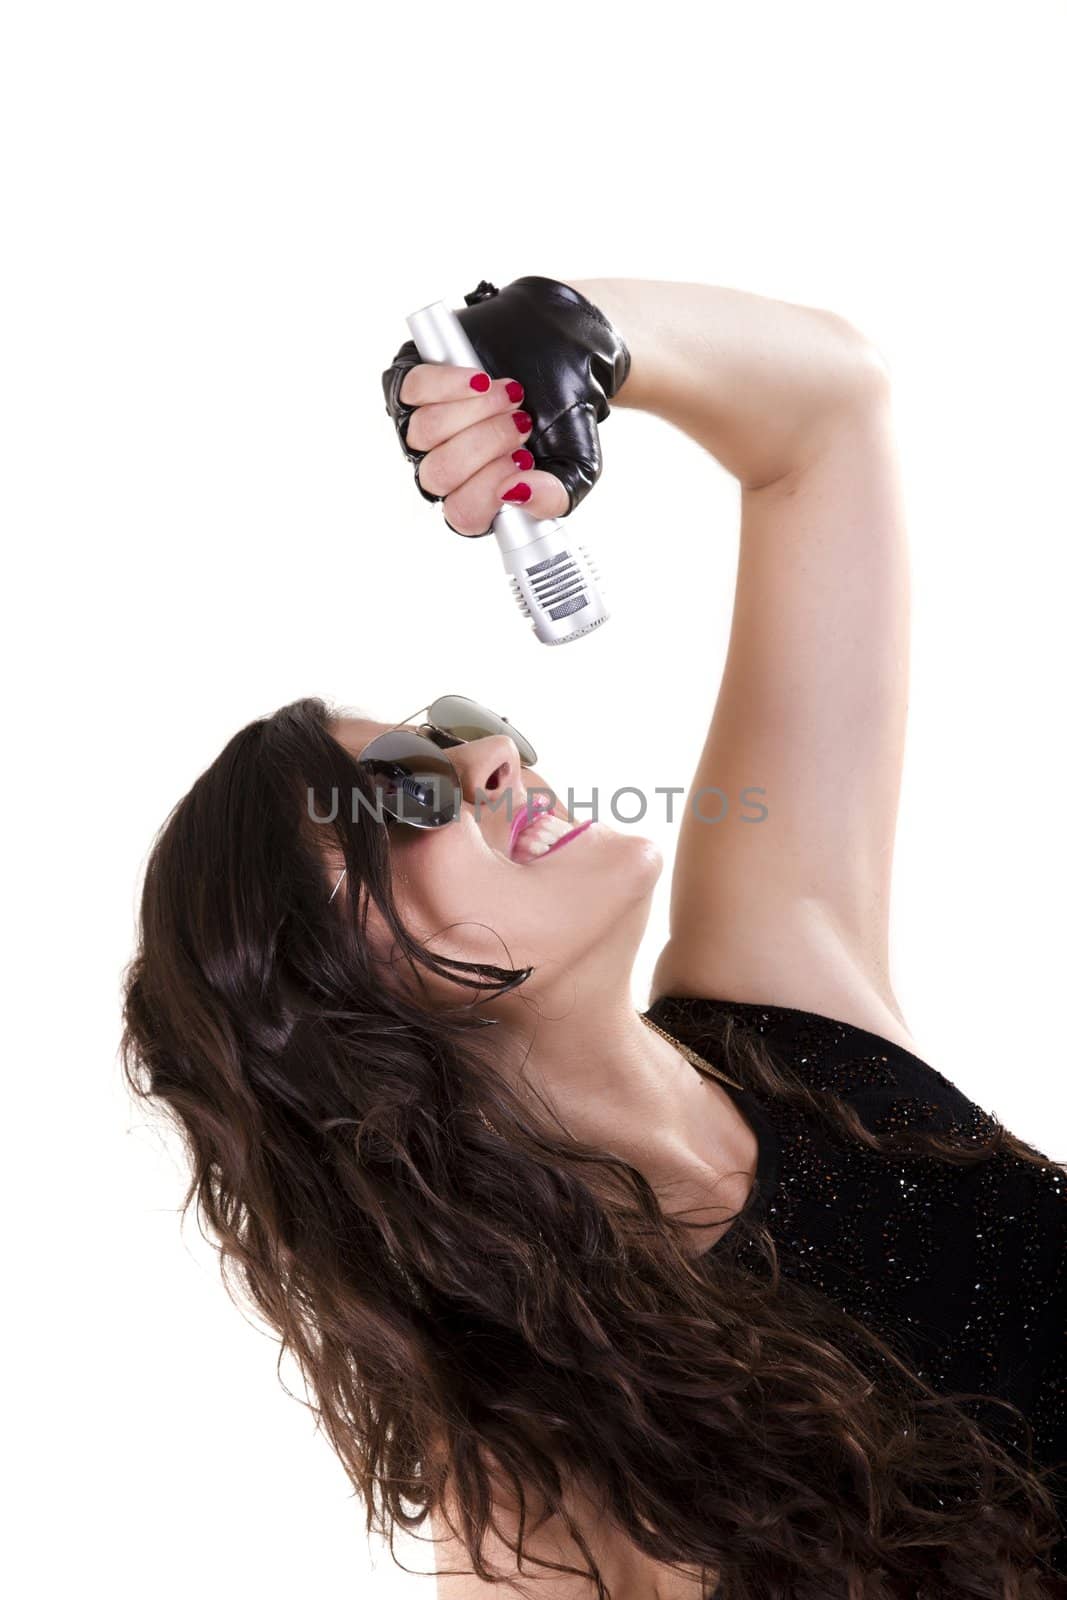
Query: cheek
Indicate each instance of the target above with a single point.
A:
(441, 877)
(463, 904)
(460, 891)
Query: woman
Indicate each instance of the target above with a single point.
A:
(752, 1302)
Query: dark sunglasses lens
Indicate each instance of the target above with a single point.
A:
(466, 719)
(415, 782)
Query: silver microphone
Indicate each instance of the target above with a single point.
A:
(553, 578)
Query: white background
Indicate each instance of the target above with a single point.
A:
(218, 216)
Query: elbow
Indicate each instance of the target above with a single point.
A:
(872, 374)
(863, 366)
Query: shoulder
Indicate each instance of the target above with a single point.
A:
(784, 977)
(827, 1053)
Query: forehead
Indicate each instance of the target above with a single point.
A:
(354, 731)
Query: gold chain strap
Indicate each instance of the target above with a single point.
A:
(690, 1055)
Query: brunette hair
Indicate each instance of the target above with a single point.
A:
(470, 1306)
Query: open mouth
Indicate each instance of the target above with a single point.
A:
(540, 834)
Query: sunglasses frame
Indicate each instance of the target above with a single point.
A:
(423, 732)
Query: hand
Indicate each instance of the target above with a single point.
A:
(530, 436)
(468, 441)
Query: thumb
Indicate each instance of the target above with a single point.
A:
(569, 448)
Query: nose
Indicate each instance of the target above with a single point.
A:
(487, 768)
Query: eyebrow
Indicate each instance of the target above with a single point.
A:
(397, 728)
(408, 722)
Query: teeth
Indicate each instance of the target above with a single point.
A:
(539, 837)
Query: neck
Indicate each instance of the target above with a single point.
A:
(615, 1083)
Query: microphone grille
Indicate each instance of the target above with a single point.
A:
(558, 585)
(557, 588)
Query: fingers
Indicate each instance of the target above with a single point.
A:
(429, 383)
(470, 431)
(463, 454)
(471, 508)
(431, 426)
(540, 493)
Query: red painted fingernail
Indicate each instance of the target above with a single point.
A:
(515, 390)
(521, 491)
(523, 459)
(481, 381)
(522, 420)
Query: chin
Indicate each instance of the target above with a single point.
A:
(635, 861)
(594, 907)
(604, 868)
(646, 851)
(650, 861)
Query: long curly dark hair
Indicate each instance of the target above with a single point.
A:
(475, 1306)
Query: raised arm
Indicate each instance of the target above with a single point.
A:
(794, 402)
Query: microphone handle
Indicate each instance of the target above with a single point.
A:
(554, 584)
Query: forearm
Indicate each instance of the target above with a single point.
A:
(752, 379)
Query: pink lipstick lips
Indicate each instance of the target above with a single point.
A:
(528, 814)
(567, 837)
(537, 832)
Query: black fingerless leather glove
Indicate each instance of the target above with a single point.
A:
(569, 358)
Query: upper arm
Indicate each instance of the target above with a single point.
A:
(811, 711)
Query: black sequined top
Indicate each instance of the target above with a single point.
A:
(962, 1269)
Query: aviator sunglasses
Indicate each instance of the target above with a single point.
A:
(414, 781)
